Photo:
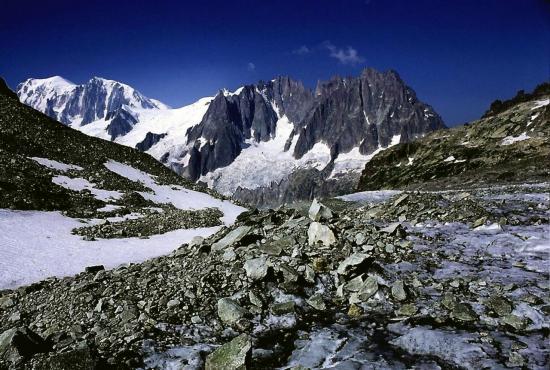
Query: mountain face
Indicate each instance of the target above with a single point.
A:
(79, 105)
(260, 139)
(509, 144)
(234, 120)
(365, 113)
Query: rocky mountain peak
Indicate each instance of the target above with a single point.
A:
(272, 125)
(368, 112)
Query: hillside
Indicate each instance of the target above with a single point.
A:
(62, 189)
(511, 146)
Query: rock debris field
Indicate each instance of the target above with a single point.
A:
(427, 280)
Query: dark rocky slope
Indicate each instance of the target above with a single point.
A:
(25, 184)
(231, 119)
(503, 147)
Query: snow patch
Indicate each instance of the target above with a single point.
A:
(354, 161)
(55, 165)
(176, 195)
(377, 196)
(454, 348)
(261, 163)
(109, 208)
(533, 117)
(79, 184)
(35, 245)
(452, 159)
(540, 103)
(509, 140)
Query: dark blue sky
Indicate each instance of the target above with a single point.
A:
(458, 55)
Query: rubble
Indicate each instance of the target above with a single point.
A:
(259, 293)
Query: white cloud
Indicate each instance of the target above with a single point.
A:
(302, 50)
(251, 66)
(348, 55)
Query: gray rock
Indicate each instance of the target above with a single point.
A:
(394, 229)
(173, 303)
(320, 233)
(290, 275)
(231, 238)
(6, 302)
(19, 344)
(368, 289)
(197, 240)
(255, 299)
(360, 238)
(234, 355)
(516, 322)
(499, 305)
(229, 254)
(256, 268)
(283, 308)
(398, 290)
(319, 212)
(354, 284)
(275, 247)
(316, 301)
(463, 312)
(407, 310)
(229, 311)
(479, 222)
(351, 262)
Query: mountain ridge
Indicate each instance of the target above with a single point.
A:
(508, 144)
(277, 126)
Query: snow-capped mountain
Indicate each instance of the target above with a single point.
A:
(61, 191)
(98, 99)
(253, 142)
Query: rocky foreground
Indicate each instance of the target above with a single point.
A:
(431, 280)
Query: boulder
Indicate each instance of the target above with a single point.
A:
(351, 262)
(316, 301)
(20, 344)
(320, 233)
(398, 291)
(395, 229)
(234, 355)
(94, 269)
(368, 289)
(283, 308)
(319, 212)
(229, 311)
(231, 238)
(256, 268)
